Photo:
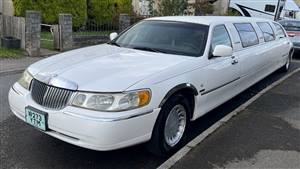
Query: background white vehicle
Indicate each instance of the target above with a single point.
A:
(149, 82)
(268, 9)
(291, 10)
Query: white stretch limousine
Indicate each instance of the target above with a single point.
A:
(149, 82)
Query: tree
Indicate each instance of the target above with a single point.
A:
(103, 11)
(203, 7)
(172, 7)
(51, 9)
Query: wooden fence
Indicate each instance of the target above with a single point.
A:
(13, 26)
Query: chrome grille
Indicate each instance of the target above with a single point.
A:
(49, 96)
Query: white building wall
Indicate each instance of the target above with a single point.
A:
(7, 7)
(221, 7)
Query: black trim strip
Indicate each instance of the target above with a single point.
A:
(216, 88)
(189, 86)
(246, 13)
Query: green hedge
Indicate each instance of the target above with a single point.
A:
(105, 10)
(50, 9)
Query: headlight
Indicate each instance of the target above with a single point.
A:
(112, 102)
(25, 80)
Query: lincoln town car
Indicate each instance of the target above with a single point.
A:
(149, 82)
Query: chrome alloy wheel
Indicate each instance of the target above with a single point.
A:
(175, 125)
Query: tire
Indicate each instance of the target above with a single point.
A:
(159, 144)
(286, 67)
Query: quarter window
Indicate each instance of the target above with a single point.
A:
(220, 37)
(247, 34)
(267, 31)
(280, 32)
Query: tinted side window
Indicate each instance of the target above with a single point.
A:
(220, 37)
(267, 31)
(247, 34)
(279, 31)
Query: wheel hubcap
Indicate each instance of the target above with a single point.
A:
(175, 125)
(288, 62)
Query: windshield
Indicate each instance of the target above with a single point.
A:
(291, 25)
(166, 37)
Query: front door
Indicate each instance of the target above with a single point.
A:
(221, 74)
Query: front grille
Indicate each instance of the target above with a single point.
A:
(49, 96)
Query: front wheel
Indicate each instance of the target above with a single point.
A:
(169, 133)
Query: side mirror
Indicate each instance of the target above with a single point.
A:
(222, 51)
(113, 35)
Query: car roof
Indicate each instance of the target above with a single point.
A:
(208, 20)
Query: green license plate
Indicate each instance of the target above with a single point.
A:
(36, 118)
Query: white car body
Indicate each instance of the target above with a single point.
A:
(107, 68)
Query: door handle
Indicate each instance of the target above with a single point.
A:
(233, 62)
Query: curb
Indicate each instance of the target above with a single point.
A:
(9, 72)
(192, 144)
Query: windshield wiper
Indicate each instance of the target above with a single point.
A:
(149, 49)
(114, 44)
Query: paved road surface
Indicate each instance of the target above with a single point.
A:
(22, 146)
(264, 135)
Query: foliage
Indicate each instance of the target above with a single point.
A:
(233, 12)
(172, 7)
(203, 7)
(104, 10)
(10, 53)
(152, 10)
(51, 9)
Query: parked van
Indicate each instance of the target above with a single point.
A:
(268, 9)
(149, 82)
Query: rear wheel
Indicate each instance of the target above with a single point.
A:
(169, 133)
(286, 67)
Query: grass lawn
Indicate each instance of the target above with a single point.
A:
(10, 53)
(47, 40)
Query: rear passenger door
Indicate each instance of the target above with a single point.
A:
(250, 51)
(283, 42)
(272, 47)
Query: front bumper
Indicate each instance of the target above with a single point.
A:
(90, 129)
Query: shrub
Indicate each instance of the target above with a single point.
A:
(51, 9)
(172, 7)
(105, 10)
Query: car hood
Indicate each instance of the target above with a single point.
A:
(104, 68)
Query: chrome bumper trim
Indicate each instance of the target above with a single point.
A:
(102, 119)
(17, 91)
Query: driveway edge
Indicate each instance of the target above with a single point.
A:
(183, 151)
